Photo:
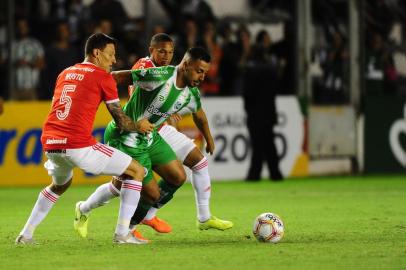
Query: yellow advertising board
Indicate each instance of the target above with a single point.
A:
(22, 158)
(21, 155)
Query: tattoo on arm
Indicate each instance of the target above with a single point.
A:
(123, 122)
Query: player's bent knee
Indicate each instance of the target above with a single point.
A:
(194, 157)
(116, 182)
(179, 178)
(60, 189)
(135, 171)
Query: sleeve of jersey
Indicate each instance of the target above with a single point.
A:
(143, 63)
(150, 79)
(109, 90)
(194, 104)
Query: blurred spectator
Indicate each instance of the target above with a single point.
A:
(105, 26)
(158, 29)
(334, 88)
(187, 38)
(260, 106)
(276, 9)
(228, 67)
(58, 56)
(79, 22)
(200, 10)
(380, 15)
(272, 56)
(28, 59)
(180, 11)
(111, 10)
(329, 14)
(244, 52)
(380, 72)
(211, 86)
(135, 39)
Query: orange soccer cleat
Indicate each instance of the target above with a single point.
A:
(139, 236)
(158, 225)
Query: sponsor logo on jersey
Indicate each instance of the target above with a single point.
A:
(86, 69)
(158, 71)
(177, 105)
(152, 110)
(57, 141)
(161, 98)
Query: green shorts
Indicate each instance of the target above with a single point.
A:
(157, 153)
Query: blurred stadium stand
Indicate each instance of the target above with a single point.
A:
(338, 58)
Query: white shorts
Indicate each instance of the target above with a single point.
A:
(96, 159)
(179, 142)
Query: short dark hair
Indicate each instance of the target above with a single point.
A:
(160, 37)
(198, 53)
(98, 41)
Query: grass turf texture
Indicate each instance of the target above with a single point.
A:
(330, 223)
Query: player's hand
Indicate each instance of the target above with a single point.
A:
(210, 147)
(144, 126)
(175, 118)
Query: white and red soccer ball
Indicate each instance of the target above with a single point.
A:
(268, 227)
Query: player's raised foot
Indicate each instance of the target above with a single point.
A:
(214, 223)
(129, 239)
(81, 220)
(158, 225)
(22, 240)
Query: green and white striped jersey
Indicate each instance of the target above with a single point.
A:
(156, 98)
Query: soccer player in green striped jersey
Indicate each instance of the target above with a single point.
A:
(161, 92)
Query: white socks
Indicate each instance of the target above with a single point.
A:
(99, 197)
(151, 213)
(129, 198)
(202, 185)
(45, 201)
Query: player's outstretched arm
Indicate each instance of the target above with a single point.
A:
(122, 77)
(124, 123)
(202, 124)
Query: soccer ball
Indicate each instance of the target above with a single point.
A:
(268, 228)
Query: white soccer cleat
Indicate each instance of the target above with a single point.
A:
(81, 220)
(22, 240)
(128, 239)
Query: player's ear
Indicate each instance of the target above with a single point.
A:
(95, 52)
(151, 49)
(186, 65)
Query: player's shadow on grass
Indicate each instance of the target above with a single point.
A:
(202, 241)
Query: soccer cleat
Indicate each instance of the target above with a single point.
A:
(214, 223)
(138, 235)
(21, 240)
(81, 220)
(128, 239)
(158, 225)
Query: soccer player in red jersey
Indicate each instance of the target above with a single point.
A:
(68, 142)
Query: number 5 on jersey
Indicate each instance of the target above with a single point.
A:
(65, 99)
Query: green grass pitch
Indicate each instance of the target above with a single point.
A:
(330, 223)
